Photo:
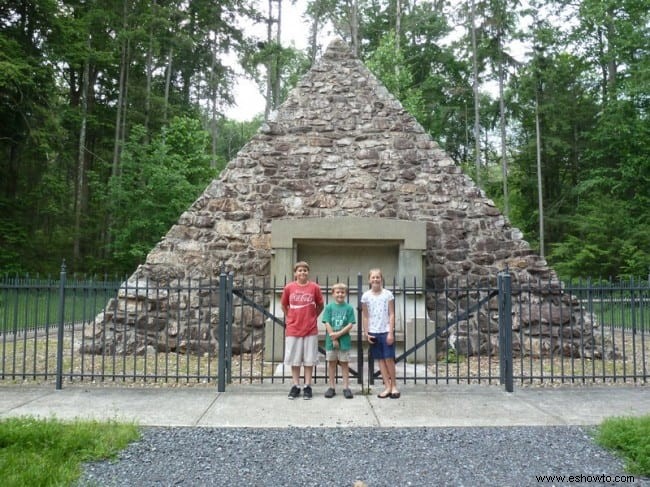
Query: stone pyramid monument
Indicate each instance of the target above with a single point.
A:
(340, 156)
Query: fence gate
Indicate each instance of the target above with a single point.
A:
(362, 366)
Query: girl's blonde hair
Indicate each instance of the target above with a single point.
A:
(376, 270)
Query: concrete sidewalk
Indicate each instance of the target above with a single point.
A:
(267, 405)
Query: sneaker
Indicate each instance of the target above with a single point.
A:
(330, 393)
(306, 392)
(347, 393)
(294, 392)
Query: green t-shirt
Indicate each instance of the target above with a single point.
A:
(339, 316)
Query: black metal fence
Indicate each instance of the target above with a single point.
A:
(582, 332)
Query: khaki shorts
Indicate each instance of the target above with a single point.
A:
(336, 354)
(301, 351)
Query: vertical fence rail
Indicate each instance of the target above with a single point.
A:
(229, 323)
(505, 329)
(59, 344)
(223, 319)
(359, 333)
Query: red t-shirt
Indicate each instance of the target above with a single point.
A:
(302, 304)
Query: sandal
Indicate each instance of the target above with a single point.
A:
(395, 395)
(384, 395)
(347, 393)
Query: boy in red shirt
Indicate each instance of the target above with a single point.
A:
(302, 302)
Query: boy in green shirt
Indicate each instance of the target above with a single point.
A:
(339, 320)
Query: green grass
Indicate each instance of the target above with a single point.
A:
(50, 452)
(622, 315)
(27, 308)
(630, 438)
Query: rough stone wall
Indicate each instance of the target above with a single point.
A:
(340, 145)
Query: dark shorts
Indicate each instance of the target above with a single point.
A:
(380, 349)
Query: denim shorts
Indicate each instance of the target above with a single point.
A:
(380, 349)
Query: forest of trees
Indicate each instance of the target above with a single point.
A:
(112, 115)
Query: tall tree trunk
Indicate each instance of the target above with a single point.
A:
(502, 123)
(477, 130)
(214, 93)
(276, 76)
(540, 197)
(269, 63)
(313, 39)
(149, 62)
(398, 25)
(354, 27)
(125, 96)
(168, 82)
(81, 165)
(398, 28)
(612, 66)
(118, 139)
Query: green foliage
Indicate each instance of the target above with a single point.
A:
(387, 63)
(610, 228)
(12, 237)
(287, 63)
(615, 247)
(30, 143)
(50, 452)
(154, 62)
(453, 356)
(427, 75)
(586, 77)
(232, 136)
(157, 182)
(630, 438)
(594, 142)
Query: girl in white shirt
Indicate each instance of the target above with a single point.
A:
(378, 321)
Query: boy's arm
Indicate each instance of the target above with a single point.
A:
(318, 299)
(346, 329)
(329, 329)
(284, 301)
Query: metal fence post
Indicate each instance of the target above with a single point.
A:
(359, 333)
(223, 319)
(505, 329)
(502, 365)
(229, 322)
(59, 335)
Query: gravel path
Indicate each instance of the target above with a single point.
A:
(379, 457)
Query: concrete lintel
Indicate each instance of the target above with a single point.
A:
(285, 231)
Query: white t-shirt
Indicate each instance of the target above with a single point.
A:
(377, 304)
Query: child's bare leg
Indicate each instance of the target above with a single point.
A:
(390, 368)
(308, 374)
(295, 374)
(345, 373)
(331, 366)
(383, 368)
